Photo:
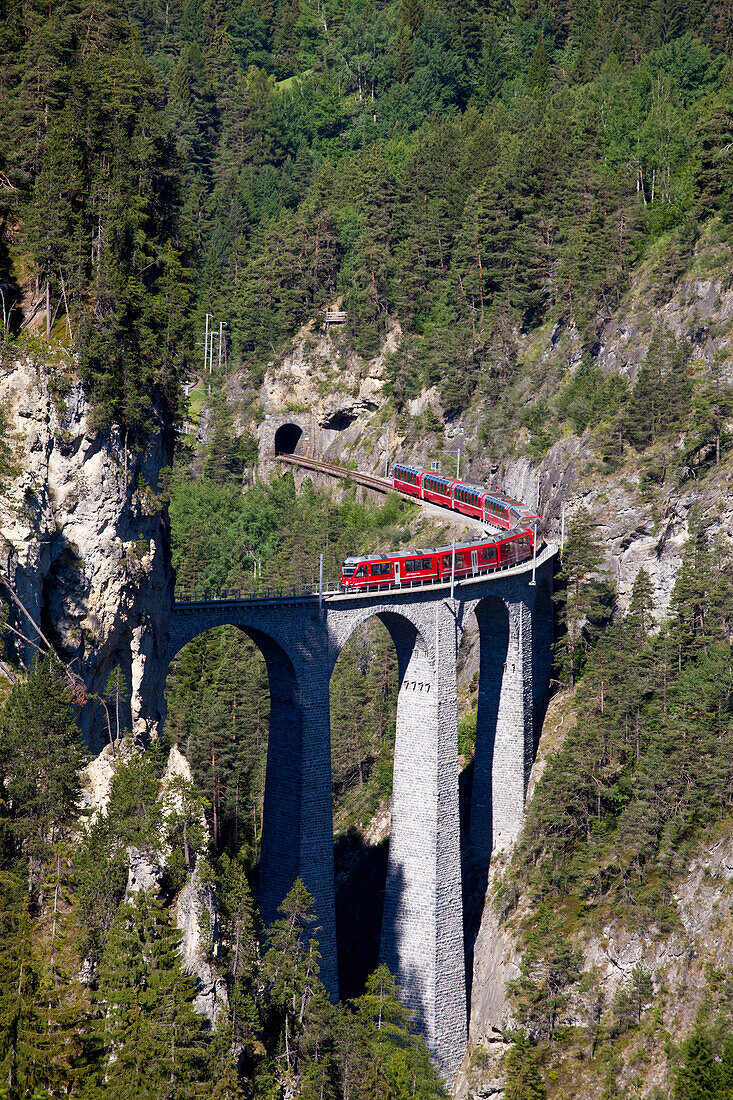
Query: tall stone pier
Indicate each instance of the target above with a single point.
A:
(422, 938)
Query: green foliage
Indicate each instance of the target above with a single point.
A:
(523, 1079)
(40, 754)
(363, 695)
(624, 801)
(632, 998)
(660, 400)
(445, 165)
(590, 396)
(699, 1075)
(584, 597)
(148, 1030)
(228, 454)
(549, 966)
(134, 808)
(43, 1049)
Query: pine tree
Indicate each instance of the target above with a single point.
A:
(241, 955)
(147, 1026)
(538, 74)
(697, 1077)
(641, 606)
(40, 755)
(291, 969)
(585, 598)
(549, 966)
(523, 1077)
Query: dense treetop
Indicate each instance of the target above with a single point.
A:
(467, 167)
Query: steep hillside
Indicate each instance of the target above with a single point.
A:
(639, 435)
(579, 429)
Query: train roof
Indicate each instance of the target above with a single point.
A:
(500, 498)
(355, 559)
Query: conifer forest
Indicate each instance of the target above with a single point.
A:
(522, 213)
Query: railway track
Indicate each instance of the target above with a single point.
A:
(383, 485)
(369, 481)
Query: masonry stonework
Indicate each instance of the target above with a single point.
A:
(422, 931)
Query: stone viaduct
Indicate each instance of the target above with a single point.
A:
(422, 937)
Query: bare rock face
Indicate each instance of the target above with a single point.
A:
(96, 783)
(196, 915)
(144, 873)
(83, 540)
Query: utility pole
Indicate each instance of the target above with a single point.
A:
(386, 451)
(534, 552)
(320, 585)
(458, 465)
(222, 326)
(211, 356)
(562, 530)
(453, 569)
(206, 340)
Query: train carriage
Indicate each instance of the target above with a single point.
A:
(407, 479)
(470, 500)
(400, 569)
(437, 489)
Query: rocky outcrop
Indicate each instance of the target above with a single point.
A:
(194, 908)
(144, 873)
(84, 542)
(196, 915)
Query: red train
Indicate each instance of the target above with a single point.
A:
(483, 555)
(471, 500)
(407, 567)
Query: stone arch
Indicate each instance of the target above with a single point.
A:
(406, 632)
(543, 633)
(297, 830)
(288, 439)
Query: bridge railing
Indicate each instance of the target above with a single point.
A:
(256, 592)
(261, 592)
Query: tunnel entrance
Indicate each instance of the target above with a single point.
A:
(287, 439)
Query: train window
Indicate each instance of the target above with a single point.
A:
(488, 553)
(381, 568)
(361, 571)
(446, 563)
(417, 565)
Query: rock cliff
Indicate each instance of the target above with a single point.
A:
(83, 540)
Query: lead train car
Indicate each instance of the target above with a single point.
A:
(406, 568)
(470, 500)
